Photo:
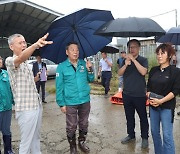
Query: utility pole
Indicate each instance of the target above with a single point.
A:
(176, 16)
(167, 13)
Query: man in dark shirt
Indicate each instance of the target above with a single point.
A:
(40, 68)
(134, 69)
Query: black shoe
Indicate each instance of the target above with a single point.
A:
(10, 152)
(44, 101)
(178, 113)
(144, 143)
(127, 140)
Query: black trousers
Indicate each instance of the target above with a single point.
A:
(139, 104)
(105, 79)
(77, 115)
(41, 84)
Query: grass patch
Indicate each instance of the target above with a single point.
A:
(98, 89)
(51, 89)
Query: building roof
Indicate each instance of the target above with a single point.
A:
(24, 17)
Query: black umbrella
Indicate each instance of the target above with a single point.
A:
(172, 36)
(80, 27)
(110, 49)
(130, 27)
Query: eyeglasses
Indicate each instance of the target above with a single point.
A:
(133, 47)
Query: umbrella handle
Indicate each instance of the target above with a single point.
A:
(80, 43)
(90, 69)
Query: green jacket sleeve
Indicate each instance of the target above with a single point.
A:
(59, 86)
(90, 76)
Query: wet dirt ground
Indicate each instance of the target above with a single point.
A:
(107, 126)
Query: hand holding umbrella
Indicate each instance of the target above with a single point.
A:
(130, 57)
(89, 66)
(127, 61)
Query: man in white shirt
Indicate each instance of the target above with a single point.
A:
(28, 106)
(105, 65)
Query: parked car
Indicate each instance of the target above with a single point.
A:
(51, 66)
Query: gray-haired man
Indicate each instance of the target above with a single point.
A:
(27, 101)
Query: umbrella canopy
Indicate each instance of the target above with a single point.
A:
(36, 53)
(110, 49)
(172, 36)
(80, 27)
(130, 27)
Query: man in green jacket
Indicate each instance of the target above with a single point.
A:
(6, 101)
(73, 95)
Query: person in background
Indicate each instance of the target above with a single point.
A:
(28, 105)
(4, 66)
(164, 80)
(105, 66)
(178, 66)
(40, 68)
(173, 60)
(178, 59)
(134, 69)
(6, 101)
(73, 95)
(119, 62)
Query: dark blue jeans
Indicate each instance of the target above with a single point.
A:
(5, 122)
(105, 79)
(41, 84)
(139, 104)
(77, 115)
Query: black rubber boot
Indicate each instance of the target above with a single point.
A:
(72, 142)
(7, 144)
(81, 142)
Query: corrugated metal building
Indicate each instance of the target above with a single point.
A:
(24, 17)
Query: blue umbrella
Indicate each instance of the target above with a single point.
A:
(80, 27)
(172, 36)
